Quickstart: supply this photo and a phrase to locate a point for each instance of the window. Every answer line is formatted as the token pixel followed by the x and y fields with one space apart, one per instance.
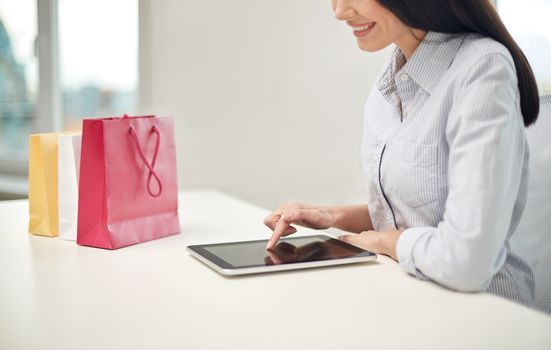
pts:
pixel 18 75
pixel 61 61
pixel 528 23
pixel 98 42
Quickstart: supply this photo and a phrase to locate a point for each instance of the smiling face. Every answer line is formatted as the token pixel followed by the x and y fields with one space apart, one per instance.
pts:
pixel 374 26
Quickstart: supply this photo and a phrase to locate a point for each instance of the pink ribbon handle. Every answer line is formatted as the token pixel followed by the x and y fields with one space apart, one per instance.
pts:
pixel 150 167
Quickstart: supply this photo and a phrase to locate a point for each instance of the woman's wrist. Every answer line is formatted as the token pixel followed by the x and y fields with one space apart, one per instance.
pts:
pixel 335 215
pixel 389 241
pixel 350 218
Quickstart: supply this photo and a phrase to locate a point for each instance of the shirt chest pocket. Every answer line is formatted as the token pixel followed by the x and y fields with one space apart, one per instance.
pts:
pixel 411 173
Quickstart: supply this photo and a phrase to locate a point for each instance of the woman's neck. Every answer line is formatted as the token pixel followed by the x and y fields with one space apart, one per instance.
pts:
pixel 409 42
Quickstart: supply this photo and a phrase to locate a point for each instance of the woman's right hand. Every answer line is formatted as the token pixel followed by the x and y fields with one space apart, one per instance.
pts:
pixel 280 221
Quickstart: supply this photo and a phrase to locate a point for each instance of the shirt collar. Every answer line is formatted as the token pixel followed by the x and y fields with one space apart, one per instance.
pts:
pixel 427 65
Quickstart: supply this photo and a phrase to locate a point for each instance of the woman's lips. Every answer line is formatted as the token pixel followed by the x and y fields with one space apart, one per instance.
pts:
pixel 362 31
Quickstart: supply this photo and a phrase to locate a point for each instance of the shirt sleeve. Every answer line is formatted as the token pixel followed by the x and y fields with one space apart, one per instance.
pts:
pixel 486 140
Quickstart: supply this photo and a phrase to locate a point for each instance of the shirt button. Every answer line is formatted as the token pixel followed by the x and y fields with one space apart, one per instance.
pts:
pixel 404 77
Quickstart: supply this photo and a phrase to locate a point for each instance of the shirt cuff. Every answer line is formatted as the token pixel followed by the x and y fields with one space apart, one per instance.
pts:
pixel 405 246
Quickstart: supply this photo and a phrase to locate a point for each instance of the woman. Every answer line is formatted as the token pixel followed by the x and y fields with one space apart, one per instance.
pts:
pixel 444 150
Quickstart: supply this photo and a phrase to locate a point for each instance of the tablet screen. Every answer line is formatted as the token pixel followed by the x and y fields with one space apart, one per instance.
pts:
pixel 287 251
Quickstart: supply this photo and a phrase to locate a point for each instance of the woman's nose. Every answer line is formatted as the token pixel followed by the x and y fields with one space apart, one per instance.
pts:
pixel 343 10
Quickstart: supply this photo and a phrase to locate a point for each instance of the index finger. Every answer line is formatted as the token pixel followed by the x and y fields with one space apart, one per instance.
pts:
pixel 279 229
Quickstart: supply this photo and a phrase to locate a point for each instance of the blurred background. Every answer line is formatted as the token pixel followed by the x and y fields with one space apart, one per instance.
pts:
pixel 267 96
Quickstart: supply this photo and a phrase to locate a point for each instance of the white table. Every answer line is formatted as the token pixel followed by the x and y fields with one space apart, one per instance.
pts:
pixel 57 295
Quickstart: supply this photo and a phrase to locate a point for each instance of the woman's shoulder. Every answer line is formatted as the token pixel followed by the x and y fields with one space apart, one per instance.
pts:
pixel 477 49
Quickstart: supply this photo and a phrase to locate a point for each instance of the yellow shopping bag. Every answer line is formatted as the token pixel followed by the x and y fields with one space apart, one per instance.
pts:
pixel 43 203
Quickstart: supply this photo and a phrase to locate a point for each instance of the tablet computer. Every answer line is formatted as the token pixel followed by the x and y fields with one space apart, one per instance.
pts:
pixel 248 257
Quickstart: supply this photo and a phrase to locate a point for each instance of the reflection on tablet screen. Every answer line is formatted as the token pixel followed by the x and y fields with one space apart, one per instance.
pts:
pixel 287 251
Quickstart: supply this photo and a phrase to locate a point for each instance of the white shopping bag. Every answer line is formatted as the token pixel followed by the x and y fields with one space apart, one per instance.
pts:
pixel 68 174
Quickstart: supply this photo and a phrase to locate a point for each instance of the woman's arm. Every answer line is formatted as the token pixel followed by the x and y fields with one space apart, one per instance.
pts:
pixel 487 149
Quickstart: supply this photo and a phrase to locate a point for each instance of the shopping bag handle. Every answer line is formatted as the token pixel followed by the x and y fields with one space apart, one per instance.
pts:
pixel 150 167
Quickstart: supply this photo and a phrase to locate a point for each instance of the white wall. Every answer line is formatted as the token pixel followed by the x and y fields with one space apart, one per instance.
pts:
pixel 267 96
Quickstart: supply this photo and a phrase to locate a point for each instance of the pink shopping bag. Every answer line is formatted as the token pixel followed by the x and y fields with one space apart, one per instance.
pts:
pixel 128 191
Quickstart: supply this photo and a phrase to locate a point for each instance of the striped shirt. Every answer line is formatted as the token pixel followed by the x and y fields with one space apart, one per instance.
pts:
pixel 445 156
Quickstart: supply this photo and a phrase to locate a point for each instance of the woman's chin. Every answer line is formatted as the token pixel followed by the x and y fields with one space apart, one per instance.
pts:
pixel 370 47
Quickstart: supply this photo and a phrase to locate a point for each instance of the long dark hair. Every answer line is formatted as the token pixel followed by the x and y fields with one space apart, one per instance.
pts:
pixel 471 16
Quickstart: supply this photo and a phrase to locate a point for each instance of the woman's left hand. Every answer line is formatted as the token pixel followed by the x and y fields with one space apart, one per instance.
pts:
pixel 375 241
